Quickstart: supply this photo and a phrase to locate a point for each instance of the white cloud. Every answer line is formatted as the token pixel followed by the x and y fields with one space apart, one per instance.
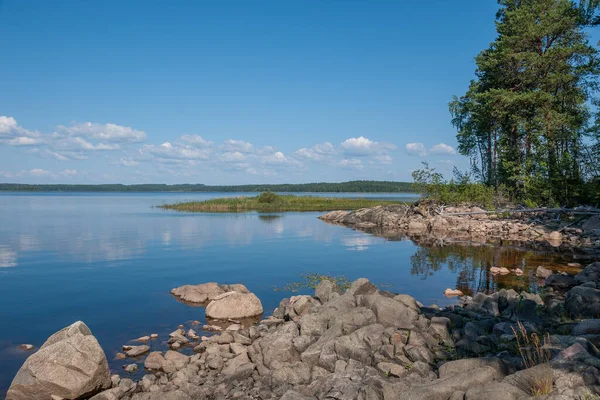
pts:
pixel 108 132
pixel 69 172
pixel 78 143
pixel 351 163
pixel 168 151
pixel 128 162
pixel 231 156
pixel 384 159
pixel 24 141
pixel 317 152
pixel 238 145
pixel 196 140
pixel 441 149
pixel 39 172
pixel 7 124
pixel 361 146
pixel 279 159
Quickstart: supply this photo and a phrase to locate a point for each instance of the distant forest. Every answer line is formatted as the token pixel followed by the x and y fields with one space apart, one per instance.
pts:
pixel 353 187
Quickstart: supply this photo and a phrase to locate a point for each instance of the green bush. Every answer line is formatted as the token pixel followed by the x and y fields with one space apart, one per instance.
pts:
pixel 431 185
pixel 269 198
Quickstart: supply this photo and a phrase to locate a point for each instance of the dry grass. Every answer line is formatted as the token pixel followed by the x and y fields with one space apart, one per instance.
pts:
pixel 541 386
pixel 533 351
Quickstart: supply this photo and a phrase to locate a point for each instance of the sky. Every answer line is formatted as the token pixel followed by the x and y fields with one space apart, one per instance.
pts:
pixel 233 92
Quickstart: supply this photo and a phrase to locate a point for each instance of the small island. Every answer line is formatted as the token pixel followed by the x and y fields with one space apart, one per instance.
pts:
pixel 272 202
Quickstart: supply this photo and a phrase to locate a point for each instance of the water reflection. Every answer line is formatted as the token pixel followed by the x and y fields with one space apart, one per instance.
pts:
pixel 8 257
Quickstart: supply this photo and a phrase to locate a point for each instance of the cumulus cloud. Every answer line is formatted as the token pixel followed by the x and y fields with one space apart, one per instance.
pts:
pixel 196 140
pixel 107 132
pixel 78 143
pixel 39 172
pixel 279 159
pixel 362 146
pixel 351 163
pixel 440 149
pixel 232 156
pixel 126 162
pixel 238 145
pixel 12 134
pixel 175 152
pixel 318 152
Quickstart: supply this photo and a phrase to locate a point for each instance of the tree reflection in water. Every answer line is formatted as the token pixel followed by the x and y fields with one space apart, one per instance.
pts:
pixel 471 262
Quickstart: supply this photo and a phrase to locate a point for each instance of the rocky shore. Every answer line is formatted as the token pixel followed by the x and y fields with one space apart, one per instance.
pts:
pixel 364 343
pixel 574 233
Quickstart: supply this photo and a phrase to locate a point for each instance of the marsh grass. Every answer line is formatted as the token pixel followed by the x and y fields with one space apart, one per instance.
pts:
pixel 271 202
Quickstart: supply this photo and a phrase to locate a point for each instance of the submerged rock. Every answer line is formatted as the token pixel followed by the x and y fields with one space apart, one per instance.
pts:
pixel 70 365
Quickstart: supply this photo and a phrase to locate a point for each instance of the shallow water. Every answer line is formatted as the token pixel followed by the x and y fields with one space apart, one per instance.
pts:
pixel 111 260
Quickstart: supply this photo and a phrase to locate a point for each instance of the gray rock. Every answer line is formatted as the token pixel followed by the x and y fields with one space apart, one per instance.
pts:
pixel 451 368
pixel 71 364
pixel 293 395
pixel 131 368
pixel 583 302
pixel 591 273
pixel 542 272
pixel 325 289
pixel 361 286
pixel 136 351
pixel 495 391
pixel 444 388
pixel 233 305
pixel 394 313
pixel 560 281
pixel 587 327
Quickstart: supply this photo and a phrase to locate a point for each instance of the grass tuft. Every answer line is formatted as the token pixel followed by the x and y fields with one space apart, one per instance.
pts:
pixel 533 351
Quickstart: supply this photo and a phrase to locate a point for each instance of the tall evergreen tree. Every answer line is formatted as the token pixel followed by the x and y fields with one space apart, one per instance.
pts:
pixel 525 117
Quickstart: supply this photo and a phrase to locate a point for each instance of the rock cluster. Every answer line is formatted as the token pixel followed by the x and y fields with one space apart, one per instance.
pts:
pixel 372 344
pixel 222 301
pixel 424 218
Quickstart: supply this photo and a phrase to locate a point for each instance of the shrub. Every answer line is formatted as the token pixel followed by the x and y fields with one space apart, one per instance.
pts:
pixel 269 198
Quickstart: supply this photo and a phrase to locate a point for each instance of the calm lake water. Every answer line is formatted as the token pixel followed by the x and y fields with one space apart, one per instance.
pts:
pixel 111 260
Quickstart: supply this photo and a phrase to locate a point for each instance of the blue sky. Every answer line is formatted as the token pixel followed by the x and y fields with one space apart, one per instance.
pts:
pixel 232 92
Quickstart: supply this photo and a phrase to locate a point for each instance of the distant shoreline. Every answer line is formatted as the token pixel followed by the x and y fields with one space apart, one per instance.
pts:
pixel 320 187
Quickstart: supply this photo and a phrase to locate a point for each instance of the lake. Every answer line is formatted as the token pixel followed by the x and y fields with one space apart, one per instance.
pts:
pixel 110 260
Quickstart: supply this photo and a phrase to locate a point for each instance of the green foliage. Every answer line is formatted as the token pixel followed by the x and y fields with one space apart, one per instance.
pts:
pixel 431 185
pixel 343 187
pixel 271 202
pixel 269 198
pixel 525 120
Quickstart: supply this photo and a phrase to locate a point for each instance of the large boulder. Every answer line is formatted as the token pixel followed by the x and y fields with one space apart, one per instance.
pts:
pixel 583 302
pixel 591 273
pixel 205 291
pixel 234 305
pixel 70 365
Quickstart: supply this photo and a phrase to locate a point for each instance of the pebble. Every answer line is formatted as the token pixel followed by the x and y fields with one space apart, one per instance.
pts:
pixel 212 328
pixel 27 347
pixel 234 328
pixel 519 271
pixel 120 356
pixel 154 336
